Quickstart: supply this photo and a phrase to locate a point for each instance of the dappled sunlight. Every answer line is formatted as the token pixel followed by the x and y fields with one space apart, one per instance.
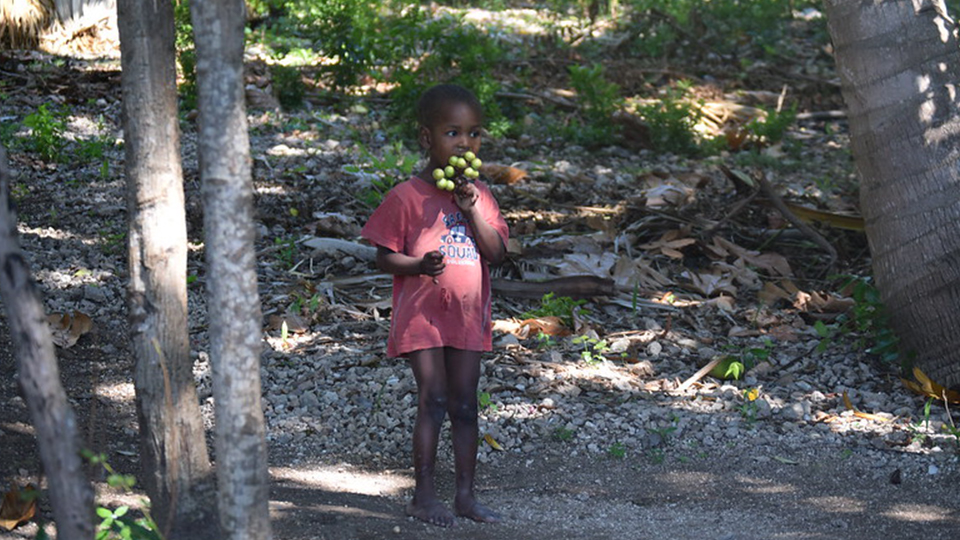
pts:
pixel 344 480
pixel 838 504
pixel 284 509
pixel 18 427
pixel 122 391
pixel 762 485
pixel 53 234
pixel 919 513
pixel 688 480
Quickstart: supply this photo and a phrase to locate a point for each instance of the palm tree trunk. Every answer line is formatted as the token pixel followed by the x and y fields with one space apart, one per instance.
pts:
pixel 899 65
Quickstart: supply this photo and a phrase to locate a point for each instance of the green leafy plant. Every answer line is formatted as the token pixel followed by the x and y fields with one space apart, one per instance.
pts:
pixel 384 171
pixel 286 251
pixel 117 523
pixel 288 86
pixel 47 126
pixel 563 434
pixel 617 450
pixel 186 55
pixel 672 121
pixel 741 360
pixel 593 349
pixel 552 305
pixel 749 409
pixel 772 128
pixel 95 149
pixel 868 322
pixel 545 341
pixel 485 402
pixel 921 429
pixel 599 99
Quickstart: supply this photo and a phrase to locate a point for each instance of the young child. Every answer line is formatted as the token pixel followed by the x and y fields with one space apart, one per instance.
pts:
pixel 437 244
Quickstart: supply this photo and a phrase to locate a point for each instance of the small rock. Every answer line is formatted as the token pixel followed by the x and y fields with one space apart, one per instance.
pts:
pixel 654 348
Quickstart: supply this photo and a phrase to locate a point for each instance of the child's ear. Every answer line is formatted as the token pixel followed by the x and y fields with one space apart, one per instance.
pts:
pixel 424 138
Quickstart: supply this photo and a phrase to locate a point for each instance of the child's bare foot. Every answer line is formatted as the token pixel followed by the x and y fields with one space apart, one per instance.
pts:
pixel 472 509
pixel 431 512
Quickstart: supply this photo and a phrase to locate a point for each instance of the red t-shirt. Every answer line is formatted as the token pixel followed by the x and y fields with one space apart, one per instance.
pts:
pixel 414 218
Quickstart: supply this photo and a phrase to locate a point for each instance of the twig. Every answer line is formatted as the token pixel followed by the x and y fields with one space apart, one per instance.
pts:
pixel 699 374
pixel 737 208
pixel 787 214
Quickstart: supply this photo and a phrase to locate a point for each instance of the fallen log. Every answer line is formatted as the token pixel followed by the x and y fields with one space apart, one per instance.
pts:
pixel 576 287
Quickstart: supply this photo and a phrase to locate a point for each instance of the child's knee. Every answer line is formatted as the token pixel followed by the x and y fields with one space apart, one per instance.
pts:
pixel 464 412
pixel 434 405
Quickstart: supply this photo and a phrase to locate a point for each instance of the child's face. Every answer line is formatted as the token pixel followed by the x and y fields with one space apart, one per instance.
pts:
pixel 456 130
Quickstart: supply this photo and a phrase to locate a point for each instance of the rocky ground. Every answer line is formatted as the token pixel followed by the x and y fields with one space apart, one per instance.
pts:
pixel 588 435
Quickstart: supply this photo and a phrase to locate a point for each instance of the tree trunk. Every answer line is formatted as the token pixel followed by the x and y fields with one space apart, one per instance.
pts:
pixel 899 65
pixel 233 302
pixel 174 459
pixel 57 434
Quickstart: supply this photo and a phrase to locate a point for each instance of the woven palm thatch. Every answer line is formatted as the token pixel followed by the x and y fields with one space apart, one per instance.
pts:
pixel 23 21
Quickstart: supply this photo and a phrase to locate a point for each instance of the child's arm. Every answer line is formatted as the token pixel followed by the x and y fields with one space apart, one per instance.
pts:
pixel 399 264
pixel 488 239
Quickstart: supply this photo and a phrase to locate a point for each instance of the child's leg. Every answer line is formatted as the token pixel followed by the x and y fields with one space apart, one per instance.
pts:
pixel 430 372
pixel 463 375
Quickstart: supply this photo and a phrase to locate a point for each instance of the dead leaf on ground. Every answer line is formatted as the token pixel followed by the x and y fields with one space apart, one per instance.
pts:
pixel 712 284
pixel 66 328
pixel 17 507
pixel 860 414
pixel 815 302
pixel 670 244
pixel 772 263
pixel 772 292
pixel 503 174
pixel 295 323
pixel 840 221
pixel 929 388
pixel 492 442
pixel 551 326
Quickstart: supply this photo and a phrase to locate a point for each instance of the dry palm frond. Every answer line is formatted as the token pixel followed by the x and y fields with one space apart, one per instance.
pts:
pixel 23 21
pixel 93 34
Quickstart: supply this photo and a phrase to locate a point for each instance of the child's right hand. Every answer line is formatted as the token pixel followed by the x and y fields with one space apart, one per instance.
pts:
pixel 432 263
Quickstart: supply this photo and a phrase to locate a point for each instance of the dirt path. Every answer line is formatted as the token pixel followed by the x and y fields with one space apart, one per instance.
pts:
pixel 822 497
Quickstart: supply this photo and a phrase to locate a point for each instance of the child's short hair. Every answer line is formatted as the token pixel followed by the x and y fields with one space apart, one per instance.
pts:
pixel 437 97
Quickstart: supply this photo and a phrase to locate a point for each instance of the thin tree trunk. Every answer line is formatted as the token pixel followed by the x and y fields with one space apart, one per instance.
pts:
pixel 57 433
pixel 176 467
pixel 899 65
pixel 234 304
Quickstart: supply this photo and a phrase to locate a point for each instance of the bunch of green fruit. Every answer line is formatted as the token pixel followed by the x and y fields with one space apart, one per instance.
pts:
pixel 461 169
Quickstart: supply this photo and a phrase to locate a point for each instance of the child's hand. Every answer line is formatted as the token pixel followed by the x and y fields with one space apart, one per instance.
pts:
pixel 432 264
pixel 466 195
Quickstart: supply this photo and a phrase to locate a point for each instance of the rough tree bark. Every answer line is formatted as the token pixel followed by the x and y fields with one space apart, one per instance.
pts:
pixel 899 65
pixel 53 419
pixel 233 302
pixel 176 470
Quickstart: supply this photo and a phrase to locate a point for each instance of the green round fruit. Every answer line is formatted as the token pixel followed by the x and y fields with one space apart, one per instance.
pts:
pixel 469 156
pixel 476 163
pixel 437 174
pixel 454 160
pixel 449 171
pixel 451 185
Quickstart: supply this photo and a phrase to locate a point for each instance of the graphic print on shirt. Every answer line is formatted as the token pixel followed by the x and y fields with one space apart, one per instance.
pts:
pixel 456 246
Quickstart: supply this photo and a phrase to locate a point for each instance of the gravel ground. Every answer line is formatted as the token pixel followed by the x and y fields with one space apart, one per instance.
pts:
pixel 609 448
